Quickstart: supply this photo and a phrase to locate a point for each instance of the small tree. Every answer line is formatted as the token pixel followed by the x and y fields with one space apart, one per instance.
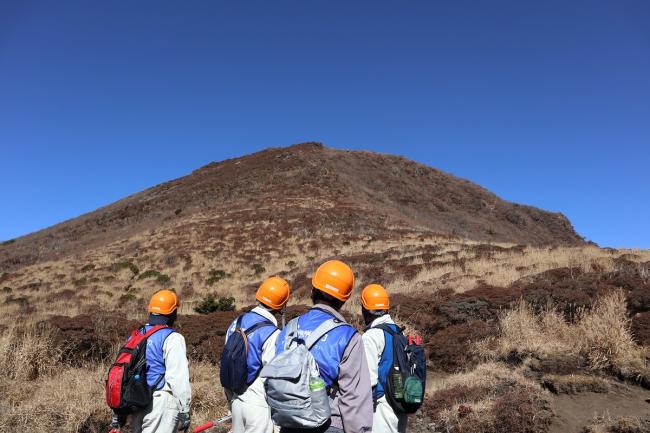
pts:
pixel 210 304
pixel 258 269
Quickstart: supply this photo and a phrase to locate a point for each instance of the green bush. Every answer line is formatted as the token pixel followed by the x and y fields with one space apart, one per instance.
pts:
pixel 88 267
pixel 7 290
pixel 210 304
pixel 23 301
pixel 80 282
pixel 258 269
pixel 148 274
pixel 127 297
pixel 216 275
pixel 10 241
pixel 151 273
pixel 291 264
pixel 116 267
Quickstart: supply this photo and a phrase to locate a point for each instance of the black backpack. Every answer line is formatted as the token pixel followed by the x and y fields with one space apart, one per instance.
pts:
pixel 234 359
pixel 406 380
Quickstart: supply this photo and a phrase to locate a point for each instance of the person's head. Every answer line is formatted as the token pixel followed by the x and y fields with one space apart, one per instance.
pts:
pixel 163 308
pixel 273 294
pixel 332 284
pixel 375 302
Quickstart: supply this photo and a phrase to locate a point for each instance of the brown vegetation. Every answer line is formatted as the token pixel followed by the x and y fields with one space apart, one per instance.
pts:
pixel 311 186
pixel 508 327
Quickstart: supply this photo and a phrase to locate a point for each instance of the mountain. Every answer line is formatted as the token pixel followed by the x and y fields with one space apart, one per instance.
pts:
pixel 304 191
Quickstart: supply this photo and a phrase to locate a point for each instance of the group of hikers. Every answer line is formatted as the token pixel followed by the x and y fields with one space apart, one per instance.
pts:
pixel 317 374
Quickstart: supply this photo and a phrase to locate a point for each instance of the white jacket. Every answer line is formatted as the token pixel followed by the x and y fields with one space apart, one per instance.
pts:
pixel 384 420
pixel 255 393
pixel 177 373
pixel 374 343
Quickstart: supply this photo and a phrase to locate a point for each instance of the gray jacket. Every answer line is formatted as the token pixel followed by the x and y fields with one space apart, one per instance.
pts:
pixel 352 403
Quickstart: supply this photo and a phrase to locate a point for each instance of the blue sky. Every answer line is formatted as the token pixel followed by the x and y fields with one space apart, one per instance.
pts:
pixel 544 103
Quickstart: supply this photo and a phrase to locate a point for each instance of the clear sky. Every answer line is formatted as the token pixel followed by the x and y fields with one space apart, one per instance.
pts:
pixel 543 102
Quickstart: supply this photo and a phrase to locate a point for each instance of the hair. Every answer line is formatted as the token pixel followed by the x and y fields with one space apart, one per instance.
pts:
pixel 320 297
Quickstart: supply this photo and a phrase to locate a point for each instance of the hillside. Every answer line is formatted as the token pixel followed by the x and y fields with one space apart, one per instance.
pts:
pixel 527 327
pixel 303 188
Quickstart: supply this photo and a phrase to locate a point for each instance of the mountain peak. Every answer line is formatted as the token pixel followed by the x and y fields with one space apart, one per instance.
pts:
pixel 309 190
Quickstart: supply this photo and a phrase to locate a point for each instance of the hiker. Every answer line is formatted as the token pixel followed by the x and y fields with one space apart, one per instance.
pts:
pixel 397 364
pixel 166 372
pixel 375 303
pixel 240 367
pixel 341 373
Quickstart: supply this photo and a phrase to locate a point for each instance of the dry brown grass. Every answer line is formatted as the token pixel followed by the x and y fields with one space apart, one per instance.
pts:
pixel 607 424
pixel 33 398
pixel 493 397
pixel 601 336
pixel 439 262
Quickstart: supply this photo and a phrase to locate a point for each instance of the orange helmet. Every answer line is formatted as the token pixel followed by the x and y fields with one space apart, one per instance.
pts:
pixel 375 297
pixel 163 302
pixel 274 293
pixel 334 278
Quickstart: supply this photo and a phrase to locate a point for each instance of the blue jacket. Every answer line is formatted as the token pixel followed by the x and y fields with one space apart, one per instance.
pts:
pixel 328 351
pixel 156 356
pixel 256 340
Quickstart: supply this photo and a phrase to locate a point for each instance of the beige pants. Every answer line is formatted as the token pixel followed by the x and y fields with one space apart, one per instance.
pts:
pixel 160 417
pixel 248 418
pixel 385 420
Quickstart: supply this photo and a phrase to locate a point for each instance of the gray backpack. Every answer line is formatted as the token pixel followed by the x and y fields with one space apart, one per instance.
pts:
pixel 295 391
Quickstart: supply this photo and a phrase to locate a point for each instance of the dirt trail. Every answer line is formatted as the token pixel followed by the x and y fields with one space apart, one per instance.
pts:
pixel 573 412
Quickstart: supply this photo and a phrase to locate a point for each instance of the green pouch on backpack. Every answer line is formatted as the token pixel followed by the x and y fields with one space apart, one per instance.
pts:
pixel 413 391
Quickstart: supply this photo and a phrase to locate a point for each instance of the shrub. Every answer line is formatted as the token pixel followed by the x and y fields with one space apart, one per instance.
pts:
pixel 163 279
pixel 7 289
pixel 127 297
pixel 80 282
pixel 148 274
pixel 291 264
pixel 88 267
pixel 116 267
pixel 210 304
pixel 22 301
pixel 151 273
pixel 216 275
pixel 8 242
pixel 258 269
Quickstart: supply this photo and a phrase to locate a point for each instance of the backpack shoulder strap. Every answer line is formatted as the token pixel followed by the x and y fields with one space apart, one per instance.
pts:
pixel 321 330
pixel 153 330
pixel 238 322
pixel 258 325
pixel 291 332
pixel 137 336
pixel 387 328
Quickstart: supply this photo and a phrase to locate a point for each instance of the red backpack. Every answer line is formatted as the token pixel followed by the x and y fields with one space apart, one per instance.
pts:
pixel 126 386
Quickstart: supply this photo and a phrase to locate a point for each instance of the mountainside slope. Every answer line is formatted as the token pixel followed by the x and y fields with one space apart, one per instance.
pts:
pixel 307 187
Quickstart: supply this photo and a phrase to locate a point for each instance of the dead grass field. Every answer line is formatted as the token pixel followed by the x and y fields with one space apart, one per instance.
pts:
pixel 515 353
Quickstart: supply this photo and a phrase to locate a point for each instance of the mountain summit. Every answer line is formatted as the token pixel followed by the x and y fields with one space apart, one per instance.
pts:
pixel 304 191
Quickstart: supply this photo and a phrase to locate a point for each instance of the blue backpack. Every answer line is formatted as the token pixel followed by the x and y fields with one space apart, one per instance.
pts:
pixel 234 359
pixel 404 386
